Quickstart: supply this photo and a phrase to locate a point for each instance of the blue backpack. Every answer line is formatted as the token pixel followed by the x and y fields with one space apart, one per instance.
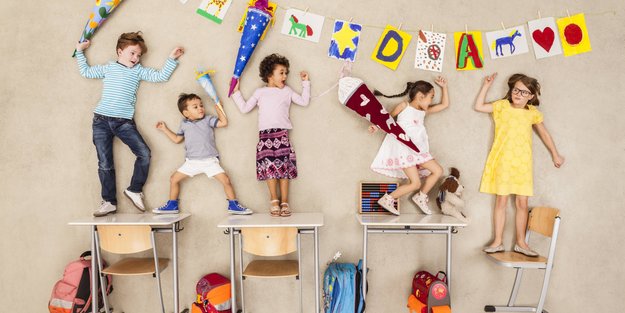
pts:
pixel 342 288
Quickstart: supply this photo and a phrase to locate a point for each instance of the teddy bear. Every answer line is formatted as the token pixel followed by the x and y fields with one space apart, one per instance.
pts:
pixel 449 196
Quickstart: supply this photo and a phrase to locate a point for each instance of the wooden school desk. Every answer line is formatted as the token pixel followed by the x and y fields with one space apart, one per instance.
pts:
pixel 306 223
pixel 162 223
pixel 407 223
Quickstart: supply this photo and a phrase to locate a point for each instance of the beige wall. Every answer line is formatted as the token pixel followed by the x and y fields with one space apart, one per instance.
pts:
pixel 49 169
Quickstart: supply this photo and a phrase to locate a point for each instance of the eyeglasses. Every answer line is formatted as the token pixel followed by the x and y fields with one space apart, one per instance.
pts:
pixel 524 93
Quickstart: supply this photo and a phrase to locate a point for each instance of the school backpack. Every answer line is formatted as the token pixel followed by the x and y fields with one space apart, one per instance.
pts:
pixel 72 294
pixel 342 288
pixel 429 293
pixel 213 295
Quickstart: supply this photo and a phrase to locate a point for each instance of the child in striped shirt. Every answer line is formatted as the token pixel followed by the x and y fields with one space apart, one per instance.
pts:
pixel 114 113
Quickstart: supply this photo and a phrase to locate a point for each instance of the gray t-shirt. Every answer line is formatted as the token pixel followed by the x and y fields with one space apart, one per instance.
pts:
pixel 199 137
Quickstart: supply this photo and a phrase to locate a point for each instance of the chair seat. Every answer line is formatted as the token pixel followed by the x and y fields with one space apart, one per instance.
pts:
pixel 517 260
pixel 272 268
pixel 135 266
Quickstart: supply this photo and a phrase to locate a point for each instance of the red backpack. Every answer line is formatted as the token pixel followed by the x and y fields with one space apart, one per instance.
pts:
pixel 429 293
pixel 72 294
pixel 213 295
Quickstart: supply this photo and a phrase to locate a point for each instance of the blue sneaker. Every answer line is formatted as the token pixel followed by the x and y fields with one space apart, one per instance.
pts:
pixel 234 207
pixel 171 207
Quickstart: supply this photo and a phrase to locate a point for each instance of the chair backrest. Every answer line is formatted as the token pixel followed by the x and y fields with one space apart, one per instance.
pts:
pixel 274 241
pixel 125 239
pixel 542 220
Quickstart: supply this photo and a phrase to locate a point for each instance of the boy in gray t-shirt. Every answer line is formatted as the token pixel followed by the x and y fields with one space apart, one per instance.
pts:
pixel 197 131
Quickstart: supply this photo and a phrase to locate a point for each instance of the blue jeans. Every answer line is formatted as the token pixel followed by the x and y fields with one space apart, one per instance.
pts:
pixel 104 129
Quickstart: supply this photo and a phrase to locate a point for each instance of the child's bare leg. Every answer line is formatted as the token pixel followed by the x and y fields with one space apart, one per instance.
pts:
pixel 436 171
pixel 521 220
pixel 413 184
pixel 284 190
pixel 174 184
pixel 272 184
pixel 225 181
pixel 499 219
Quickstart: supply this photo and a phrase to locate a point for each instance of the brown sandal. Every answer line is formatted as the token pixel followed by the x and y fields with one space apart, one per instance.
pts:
pixel 274 210
pixel 285 211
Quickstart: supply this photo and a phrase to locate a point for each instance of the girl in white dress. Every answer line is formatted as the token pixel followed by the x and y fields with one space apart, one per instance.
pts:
pixel 397 160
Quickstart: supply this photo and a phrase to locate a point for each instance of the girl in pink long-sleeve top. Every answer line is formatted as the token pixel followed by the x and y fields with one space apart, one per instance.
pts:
pixel 275 157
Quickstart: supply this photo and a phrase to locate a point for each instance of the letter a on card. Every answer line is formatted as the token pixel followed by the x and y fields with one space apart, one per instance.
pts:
pixel 468 50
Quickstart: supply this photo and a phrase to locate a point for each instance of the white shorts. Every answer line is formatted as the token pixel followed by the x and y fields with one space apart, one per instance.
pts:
pixel 209 166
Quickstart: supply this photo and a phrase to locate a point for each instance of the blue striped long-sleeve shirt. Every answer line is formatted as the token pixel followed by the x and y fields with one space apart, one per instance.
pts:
pixel 119 93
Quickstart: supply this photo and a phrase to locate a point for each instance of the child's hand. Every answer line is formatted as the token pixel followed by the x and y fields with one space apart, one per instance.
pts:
pixel 303 75
pixel 372 129
pixel 558 160
pixel 488 81
pixel 83 45
pixel 161 125
pixel 441 81
pixel 176 53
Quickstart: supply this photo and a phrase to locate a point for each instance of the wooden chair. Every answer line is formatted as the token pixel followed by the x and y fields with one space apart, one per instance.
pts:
pixel 128 239
pixel 543 221
pixel 270 242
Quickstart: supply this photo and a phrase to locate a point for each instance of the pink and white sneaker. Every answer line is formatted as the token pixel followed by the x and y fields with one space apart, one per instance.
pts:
pixel 388 203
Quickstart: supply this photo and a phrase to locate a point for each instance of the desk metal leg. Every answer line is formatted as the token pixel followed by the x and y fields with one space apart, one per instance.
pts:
pixel 449 229
pixel 317 298
pixel 232 278
pixel 94 273
pixel 365 234
pixel 240 250
pixel 174 244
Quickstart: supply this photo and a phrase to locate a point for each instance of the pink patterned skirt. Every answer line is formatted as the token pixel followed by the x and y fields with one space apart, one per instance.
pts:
pixel 275 158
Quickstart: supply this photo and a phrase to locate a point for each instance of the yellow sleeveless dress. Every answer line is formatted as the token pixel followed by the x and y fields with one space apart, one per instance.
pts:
pixel 508 169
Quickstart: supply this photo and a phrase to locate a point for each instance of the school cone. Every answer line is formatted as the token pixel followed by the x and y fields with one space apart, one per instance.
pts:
pixel 101 11
pixel 354 94
pixel 258 17
pixel 204 79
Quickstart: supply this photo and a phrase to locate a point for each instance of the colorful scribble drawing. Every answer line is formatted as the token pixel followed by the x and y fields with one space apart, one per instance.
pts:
pixel 500 42
pixel 299 29
pixel 219 3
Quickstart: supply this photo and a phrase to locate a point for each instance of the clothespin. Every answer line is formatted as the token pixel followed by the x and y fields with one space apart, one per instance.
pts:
pixel 351 19
pixel 306 11
pixel 569 14
pixel 466 29
pixel 502 26
pixel 400 24
pixel 432 27
pixel 539 17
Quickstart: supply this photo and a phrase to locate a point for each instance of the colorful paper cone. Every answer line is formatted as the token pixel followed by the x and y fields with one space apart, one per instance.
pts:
pixel 204 79
pixel 101 11
pixel 257 20
pixel 354 94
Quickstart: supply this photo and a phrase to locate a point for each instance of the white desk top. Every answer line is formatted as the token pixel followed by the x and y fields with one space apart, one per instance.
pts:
pixel 265 220
pixel 132 219
pixel 410 219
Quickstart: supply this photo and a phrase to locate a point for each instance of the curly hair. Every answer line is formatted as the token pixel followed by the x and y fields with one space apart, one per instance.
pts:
pixel 131 39
pixel 268 64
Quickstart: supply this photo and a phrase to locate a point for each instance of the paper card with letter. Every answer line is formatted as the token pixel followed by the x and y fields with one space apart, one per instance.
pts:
pixel 257 20
pixel 468 46
pixel 574 34
pixel 391 47
pixel 100 12
pixel 430 51
pixel 507 42
pixel 545 41
pixel 214 10
pixel 271 8
pixel 354 94
pixel 303 25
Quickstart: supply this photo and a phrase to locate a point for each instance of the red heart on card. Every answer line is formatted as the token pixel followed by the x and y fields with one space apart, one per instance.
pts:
pixel 544 38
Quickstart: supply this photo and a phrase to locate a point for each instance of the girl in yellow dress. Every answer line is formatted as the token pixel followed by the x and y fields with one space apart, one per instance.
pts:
pixel 508 169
